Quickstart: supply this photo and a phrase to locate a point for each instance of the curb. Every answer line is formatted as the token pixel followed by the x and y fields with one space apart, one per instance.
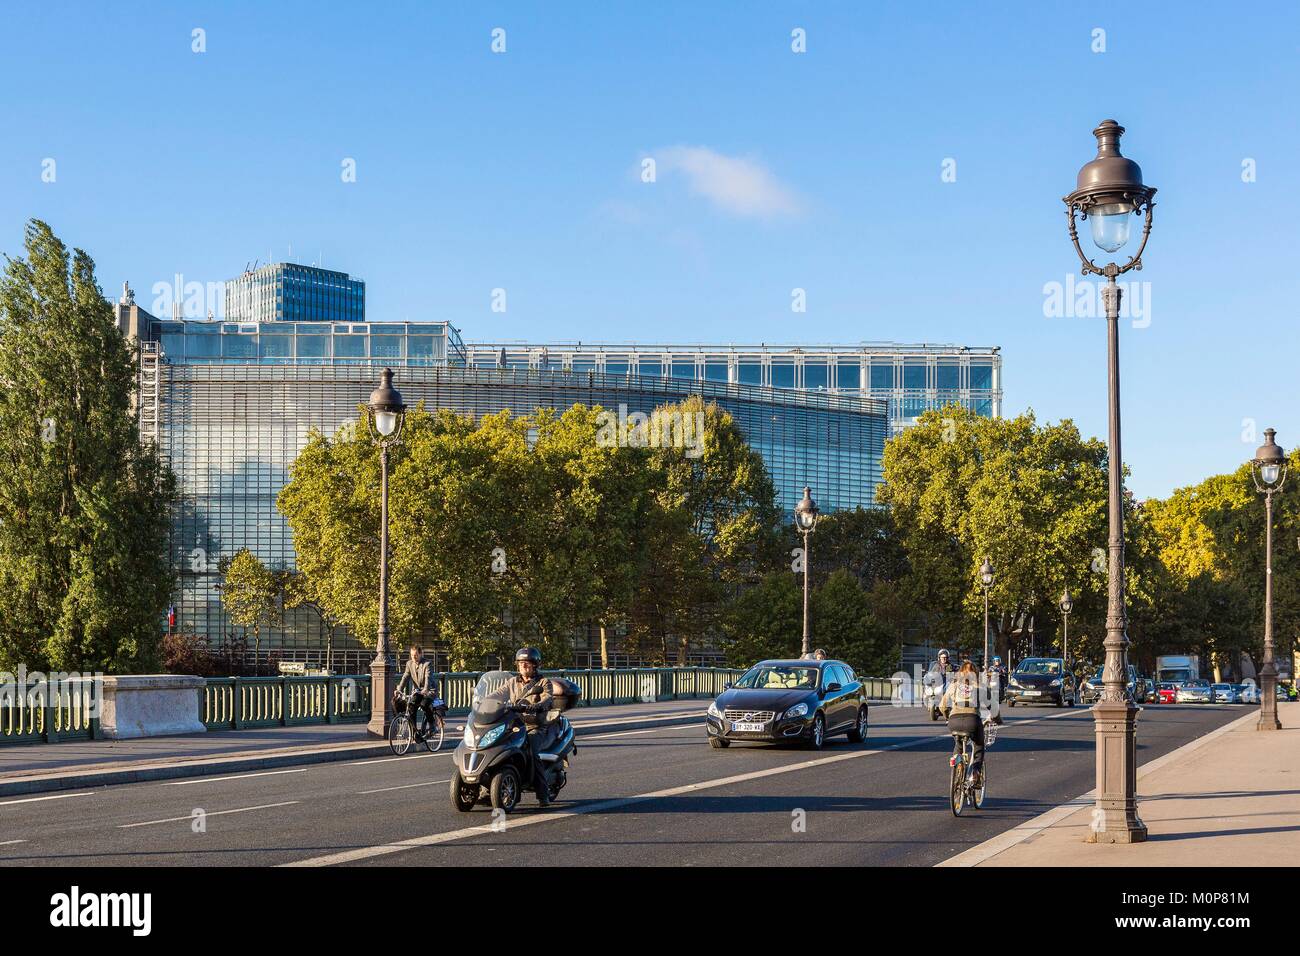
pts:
pixel 1005 841
pixel 81 780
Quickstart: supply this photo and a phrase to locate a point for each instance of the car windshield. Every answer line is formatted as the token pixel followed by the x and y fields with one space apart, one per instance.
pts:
pixel 779 677
pixel 1039 665
pixel 1222 686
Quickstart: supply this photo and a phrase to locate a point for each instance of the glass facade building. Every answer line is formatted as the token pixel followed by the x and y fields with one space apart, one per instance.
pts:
pixel 231 404
pixel 287 292
pixel 909 378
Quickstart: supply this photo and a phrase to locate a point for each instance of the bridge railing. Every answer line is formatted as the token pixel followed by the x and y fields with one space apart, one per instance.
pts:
pixel 239 703
pixel 49 711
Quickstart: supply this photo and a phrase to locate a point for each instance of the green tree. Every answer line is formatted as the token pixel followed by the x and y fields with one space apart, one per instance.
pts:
pixel 717 527
pixel 84 506
pixel 1032 497
pixel 250 593
pixel 765 620
pixel 842 622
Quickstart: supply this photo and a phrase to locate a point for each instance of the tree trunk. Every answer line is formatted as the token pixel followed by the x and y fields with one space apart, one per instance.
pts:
pixel 604 647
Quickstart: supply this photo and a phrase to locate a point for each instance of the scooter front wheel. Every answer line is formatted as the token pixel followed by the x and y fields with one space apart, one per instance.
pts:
pixel 504 791
pixel 463 795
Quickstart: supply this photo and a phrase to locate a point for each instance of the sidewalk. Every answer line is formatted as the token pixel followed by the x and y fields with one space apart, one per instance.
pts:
pixel 38 768
pixel 1231 798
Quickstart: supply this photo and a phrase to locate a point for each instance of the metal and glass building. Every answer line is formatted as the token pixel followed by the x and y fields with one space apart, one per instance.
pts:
pixel 231 403
pixel 288 292
pixel 910 379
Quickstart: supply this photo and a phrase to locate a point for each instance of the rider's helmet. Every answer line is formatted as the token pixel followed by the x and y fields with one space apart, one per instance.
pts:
pixel 943 653
pixel 529 654
pixel 997 659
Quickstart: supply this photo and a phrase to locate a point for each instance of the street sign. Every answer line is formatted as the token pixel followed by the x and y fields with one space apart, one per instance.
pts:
pixel 293 668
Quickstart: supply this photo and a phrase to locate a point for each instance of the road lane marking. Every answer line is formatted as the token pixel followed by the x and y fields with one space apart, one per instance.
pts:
pixel 374 760
pixel 56 796
pixel 407 786
pixel 450 836
pixel 209 813
pixel 11 842
pixel 985 851
pixel 241 776
pixel 629 733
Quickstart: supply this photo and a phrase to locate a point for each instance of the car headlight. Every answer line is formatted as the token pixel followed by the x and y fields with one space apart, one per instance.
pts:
pixel 1014 683
pixel 798 710
pixel 1056 683
pixel 713 710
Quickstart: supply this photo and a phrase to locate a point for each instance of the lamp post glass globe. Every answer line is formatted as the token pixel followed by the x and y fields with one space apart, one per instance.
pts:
pixel 386 407
pixel 805 512
pixel 1270 460
pixel 986 573
pixel 1110 228
pixel 1067 602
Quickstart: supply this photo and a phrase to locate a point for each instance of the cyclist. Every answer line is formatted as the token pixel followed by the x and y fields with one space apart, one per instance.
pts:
pixel 424 686
pixel 532 693
pixel 960 704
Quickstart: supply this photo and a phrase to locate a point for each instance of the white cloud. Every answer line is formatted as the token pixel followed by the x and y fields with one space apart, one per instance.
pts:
pixel 743 187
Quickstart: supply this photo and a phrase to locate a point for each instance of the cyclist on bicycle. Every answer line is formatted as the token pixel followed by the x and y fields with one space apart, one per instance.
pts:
pixel 419 674
pixel 960 704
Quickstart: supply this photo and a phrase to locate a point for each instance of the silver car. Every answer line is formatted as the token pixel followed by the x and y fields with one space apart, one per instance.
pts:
pixel 1226 694
pixel 1195 692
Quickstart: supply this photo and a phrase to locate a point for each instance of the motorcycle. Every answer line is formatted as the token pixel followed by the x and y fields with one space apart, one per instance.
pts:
pixel 932 692
pixel 494 760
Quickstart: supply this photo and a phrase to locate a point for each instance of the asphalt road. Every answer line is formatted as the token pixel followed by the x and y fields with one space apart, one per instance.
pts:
pixel 658 796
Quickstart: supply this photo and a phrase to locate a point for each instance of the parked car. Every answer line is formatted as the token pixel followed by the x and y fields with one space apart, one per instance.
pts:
pixel 1195 692
pixel 1247 693
pixel 1226 694
pixel 1041 680
pixel 1168 693
pixel 806 701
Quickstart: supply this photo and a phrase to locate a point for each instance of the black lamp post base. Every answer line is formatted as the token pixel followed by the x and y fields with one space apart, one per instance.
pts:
pixel 1115 817
pixel 383 681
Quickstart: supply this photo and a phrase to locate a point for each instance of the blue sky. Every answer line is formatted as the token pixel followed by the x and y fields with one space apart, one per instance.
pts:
pixel 776 170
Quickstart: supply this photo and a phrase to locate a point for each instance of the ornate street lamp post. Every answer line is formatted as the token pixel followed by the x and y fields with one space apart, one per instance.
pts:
pixel 384 418
pixel 986 579
pixel 805 516
pixel 1067 605
pixel 1269 471
pixel 1109 191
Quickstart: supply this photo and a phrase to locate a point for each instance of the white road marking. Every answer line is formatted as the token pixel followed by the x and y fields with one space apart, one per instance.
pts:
pixel 629 733
pixel 241 776
pixel 450 836
pixel 407 786
pixel 209 813
pixel 56 796
pixel 11 842
pixel 374 760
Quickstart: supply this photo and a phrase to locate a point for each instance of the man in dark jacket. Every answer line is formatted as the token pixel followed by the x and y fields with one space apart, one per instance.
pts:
pixel 532 694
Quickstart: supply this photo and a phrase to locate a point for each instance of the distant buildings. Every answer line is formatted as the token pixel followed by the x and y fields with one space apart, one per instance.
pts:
pixel 230 404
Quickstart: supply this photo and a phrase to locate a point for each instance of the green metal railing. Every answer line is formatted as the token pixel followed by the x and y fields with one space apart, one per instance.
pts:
pixel 238 703
pixel 49 711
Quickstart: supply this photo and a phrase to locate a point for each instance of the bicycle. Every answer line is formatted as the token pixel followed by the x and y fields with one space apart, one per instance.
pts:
pixel 963 791
pixel 401 735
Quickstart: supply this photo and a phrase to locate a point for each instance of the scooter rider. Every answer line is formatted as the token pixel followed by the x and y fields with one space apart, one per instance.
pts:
pixel 531 693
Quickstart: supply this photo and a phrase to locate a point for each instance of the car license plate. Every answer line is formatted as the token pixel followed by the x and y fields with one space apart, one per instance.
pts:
pixel 747 728
pixel 1033 693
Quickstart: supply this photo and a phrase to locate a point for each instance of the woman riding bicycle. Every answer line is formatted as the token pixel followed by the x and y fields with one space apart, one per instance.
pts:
pixel 960 704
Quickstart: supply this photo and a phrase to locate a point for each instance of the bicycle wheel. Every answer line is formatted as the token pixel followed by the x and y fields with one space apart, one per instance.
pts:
pixel 957 790
pixel 433 735
pixel 984 782
pixel 399 735
pixel 976 793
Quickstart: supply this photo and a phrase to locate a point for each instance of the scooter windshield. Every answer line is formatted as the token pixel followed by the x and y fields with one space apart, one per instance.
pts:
pixel 488 705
